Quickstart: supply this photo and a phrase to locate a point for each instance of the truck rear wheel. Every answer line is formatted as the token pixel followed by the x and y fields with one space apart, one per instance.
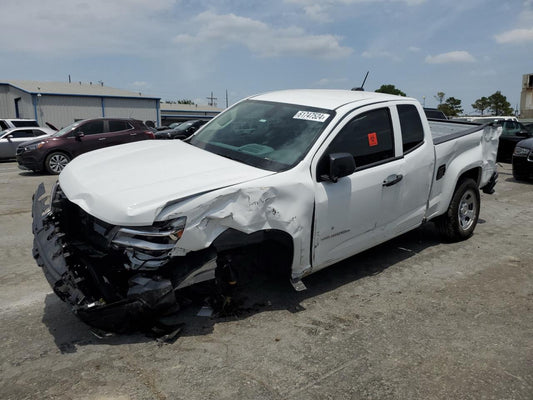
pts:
pixel 460 220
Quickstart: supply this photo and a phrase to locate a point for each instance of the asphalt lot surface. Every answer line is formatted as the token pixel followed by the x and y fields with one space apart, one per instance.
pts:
pixel 414 318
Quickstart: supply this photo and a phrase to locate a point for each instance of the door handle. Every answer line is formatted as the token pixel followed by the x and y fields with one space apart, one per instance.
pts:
pixel 102 138
pixel 133 134
pixel 392 179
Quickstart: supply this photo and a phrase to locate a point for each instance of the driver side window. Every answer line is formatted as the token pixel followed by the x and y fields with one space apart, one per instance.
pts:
pixel 368 138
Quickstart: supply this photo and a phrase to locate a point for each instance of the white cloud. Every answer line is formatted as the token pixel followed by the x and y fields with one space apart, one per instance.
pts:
pixel 140 84
pixel 260 38
pixel 451 57
pixel 319 12
pixel 81 26
pixel 523 32
pixel 380 54
pixel 330 81
pixel 413 49
pixel 515 36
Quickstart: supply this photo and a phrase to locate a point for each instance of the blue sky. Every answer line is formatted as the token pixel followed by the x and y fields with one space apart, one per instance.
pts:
pixel 187 49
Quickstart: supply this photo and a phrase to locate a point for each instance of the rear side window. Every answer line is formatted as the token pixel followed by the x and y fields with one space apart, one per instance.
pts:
pixel 412 130
pixel 510 128
pixel 92 127
pixel 26 133
pixel 368 137
pixel 38 132
pixel 3 125
pixel 20 124
pixel 115 126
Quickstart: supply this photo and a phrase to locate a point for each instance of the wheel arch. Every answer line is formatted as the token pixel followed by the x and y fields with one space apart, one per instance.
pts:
pixel 48 156
pixel 473 173
pixel 51 151
pixel 233 240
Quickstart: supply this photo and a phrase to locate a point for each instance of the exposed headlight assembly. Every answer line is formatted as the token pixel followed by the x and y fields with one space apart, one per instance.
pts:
pixel 520 152
pixel 149 247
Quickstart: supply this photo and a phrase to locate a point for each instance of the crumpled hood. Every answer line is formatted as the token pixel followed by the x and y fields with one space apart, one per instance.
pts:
pixel 130 184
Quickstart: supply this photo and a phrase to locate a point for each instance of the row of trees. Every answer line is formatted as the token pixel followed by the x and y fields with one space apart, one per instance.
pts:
pixel 495 104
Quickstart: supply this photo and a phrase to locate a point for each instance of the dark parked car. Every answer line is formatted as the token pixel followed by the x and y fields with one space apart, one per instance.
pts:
pixel 182 131
pixel 53 153
pixel 523 160
pixel 434 113
pixel 512 133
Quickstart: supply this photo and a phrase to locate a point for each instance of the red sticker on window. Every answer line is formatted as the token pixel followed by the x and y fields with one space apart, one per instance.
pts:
pixel 372 139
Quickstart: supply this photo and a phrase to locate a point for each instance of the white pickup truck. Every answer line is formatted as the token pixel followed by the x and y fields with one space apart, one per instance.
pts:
pixel 301 178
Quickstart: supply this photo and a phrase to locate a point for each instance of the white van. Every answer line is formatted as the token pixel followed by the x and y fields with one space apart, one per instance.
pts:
pixel 17 123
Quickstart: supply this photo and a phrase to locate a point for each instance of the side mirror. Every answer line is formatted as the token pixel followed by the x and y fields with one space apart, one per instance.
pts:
pixel 9 137
pixel 79 135
pixel 524 133
pixel 340 165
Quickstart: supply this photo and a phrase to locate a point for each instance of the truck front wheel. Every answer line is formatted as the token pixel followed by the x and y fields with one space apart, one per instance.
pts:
pixel 460 220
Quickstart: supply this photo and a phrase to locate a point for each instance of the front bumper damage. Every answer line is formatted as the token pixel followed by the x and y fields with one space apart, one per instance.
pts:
pixel 103 287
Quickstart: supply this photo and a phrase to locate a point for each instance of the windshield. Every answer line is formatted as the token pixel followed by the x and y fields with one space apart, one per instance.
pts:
pixel 273 136
pixel 66 129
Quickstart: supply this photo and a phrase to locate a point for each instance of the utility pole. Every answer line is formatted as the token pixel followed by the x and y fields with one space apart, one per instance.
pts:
pixel 211 101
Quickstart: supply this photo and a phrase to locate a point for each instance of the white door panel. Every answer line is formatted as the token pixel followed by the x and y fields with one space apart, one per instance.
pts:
pixel 348 212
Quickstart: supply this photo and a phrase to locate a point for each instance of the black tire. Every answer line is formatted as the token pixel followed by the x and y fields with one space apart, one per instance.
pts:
pixel 55 162
pixel 460 220
pixel 518 177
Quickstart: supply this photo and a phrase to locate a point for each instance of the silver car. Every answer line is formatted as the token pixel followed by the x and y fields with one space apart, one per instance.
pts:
pixel 11 138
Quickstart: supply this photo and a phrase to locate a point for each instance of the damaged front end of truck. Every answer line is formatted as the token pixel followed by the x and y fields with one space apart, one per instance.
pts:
pixel 116 279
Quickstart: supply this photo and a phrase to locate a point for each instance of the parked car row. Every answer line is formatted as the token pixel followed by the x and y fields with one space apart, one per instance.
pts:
pixel 43 149
pixel 46 149
pixel 52 153
pixel 180 130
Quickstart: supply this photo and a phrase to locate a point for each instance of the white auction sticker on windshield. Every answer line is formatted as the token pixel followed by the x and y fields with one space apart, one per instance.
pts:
pixel 311 116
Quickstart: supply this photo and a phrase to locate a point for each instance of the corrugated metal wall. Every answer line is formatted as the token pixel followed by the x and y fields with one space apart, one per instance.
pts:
pixel 64 110
pixel 8 95
pixel 142 109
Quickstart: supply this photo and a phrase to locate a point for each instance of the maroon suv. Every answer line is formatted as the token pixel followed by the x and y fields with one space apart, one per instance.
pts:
pixel 53 153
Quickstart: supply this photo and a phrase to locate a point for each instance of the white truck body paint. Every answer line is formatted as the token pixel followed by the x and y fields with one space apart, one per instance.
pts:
pixel 131 183
pixel 139 183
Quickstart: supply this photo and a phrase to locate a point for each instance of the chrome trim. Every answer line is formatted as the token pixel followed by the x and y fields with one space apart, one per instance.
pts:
pixel 142 244
pixel 153 233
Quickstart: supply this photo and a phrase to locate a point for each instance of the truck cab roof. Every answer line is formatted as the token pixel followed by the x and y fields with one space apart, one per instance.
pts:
pixel 325 98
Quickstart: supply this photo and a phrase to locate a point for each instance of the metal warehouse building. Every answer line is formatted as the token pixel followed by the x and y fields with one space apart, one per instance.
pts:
pixel 62 103
pixel 526 97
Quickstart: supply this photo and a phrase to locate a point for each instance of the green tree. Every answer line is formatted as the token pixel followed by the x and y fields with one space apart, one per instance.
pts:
pixel 481 104
pixel 185 101
pixel 451 107
pixel 390 89
pixel 440 97
pixel 499 104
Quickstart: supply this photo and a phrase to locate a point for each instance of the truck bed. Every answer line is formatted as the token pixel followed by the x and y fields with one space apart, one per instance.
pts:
pixel 460 146
pixel 443 131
